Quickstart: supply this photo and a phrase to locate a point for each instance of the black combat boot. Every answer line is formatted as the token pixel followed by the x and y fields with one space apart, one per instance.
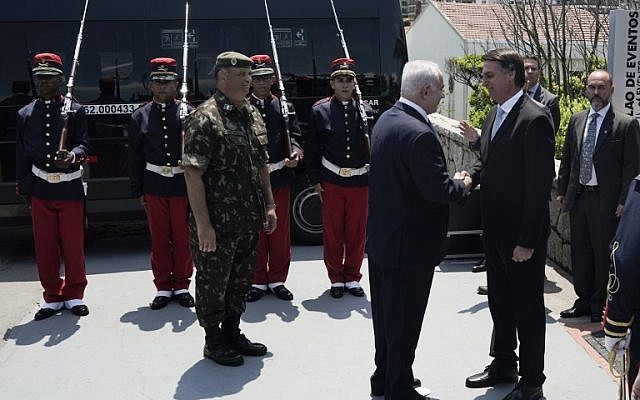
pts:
pixel 239 342
pixel 216 349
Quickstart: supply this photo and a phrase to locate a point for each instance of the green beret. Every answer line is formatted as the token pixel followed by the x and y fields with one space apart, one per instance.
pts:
pixel 233 59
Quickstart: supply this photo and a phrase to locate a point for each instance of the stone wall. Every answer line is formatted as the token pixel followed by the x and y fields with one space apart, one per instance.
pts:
pixel 460 157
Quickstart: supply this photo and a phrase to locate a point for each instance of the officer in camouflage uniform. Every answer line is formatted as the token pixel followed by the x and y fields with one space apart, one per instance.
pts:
pixel 225 159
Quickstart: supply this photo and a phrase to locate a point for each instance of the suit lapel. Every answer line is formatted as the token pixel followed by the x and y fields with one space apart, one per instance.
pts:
pixel 580 124
pixel 605 128
pixel 509 120
pixel 485 139
pixel 537 96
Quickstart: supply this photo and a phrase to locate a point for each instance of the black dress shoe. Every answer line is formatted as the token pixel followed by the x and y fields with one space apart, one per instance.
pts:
pixel 185 300
pixel 159 302
pixel 573 312
pixel 356 291
pixel 244 346
pixel 595 317
pixel 282 293
pixel 491 377
pixel 480 267
pixel 524 392
pixel 80 310
pixel 44 313
pixel 483 290
pixel 377 391
pixel 336 291
pixel 254 294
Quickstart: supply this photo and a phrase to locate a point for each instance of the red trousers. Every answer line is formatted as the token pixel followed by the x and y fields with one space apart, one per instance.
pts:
pixel 171 261
pixel 58 226
pixel 274 250
pixel 344 224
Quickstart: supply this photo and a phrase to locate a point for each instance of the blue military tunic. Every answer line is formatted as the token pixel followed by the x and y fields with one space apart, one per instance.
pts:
pixel 270 111
pixel 335 133
pixel 155 137
pixel 39 127
pixel 624 285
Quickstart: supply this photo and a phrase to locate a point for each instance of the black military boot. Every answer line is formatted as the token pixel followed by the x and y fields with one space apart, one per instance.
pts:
pixel 239 342
pixel 216 349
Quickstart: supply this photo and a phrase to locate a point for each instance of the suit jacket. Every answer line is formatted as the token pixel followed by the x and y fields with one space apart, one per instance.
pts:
pixel 409 191
pixel 551 101
pixel 615 158
pixel 515 171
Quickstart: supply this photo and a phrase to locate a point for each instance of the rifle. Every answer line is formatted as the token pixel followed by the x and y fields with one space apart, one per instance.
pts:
pixel 364 123
pixel 184 110
pixel 34 93
pixel 284 105
pixel 67 111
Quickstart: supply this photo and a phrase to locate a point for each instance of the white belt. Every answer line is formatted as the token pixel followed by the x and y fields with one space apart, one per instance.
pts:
pixel 164 170
pixel 276 166
pixel 55 177
pixel 343 172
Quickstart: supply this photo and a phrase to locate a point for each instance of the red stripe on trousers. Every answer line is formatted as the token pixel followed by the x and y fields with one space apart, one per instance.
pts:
pixel 274 250
pixel 171 260
pixel 58 227
pixel 344 224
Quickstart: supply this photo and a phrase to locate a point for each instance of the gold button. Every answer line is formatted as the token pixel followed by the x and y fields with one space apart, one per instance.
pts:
pixel 48 155
pixel 46 144
pixel 348 139
pixel 168 154
pixel 348 147
pixel 48 115
pixel 166 145
pixel 346 115
pixel 166 136
pixel 164 127
pixel 348 156
pixel 47 165
pixel 168 164
pixel 164 119
pixel 47 125
pixel 346 123
pixel 47 134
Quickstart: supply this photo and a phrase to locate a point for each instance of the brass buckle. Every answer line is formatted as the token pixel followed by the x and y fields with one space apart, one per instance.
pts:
pixel 345 172
pixel 168 171
pixel 53 178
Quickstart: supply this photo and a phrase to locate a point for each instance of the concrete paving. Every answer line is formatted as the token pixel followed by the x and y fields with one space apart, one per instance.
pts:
pixel 319 347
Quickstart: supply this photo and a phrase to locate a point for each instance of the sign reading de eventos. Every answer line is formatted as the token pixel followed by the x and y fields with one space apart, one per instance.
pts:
pixel 624 61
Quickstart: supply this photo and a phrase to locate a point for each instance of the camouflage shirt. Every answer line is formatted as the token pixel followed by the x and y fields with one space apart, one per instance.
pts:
pixel 230 145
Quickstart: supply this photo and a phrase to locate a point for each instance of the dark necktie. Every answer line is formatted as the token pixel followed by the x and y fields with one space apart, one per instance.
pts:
pixel 589 144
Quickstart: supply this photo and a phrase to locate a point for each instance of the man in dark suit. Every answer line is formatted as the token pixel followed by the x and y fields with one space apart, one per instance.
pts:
pixel 599 160
pixel 515 169
pixel 409 192
pixel 537 92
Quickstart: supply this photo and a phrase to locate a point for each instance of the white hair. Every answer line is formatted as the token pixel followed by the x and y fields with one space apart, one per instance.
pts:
pixel 419 73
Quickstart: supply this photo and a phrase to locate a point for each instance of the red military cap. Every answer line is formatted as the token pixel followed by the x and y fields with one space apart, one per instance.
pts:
pixel 163 69
pixel 343 66
pixel 261 65
pixel 47 64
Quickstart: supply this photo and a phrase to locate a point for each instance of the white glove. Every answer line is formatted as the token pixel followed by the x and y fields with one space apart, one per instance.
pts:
pixel 618 345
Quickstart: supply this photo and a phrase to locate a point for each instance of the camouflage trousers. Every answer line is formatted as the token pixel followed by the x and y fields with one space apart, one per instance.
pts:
pixel 224 277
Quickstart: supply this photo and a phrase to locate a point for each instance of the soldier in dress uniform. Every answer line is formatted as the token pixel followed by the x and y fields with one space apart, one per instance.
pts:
pixel 622 314
pixel 225 159
pixel 337 165
pixel 157 179
pixel 274 250
pixel 50 182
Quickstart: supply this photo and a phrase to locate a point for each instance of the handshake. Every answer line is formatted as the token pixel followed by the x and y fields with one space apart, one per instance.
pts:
pixel 465 177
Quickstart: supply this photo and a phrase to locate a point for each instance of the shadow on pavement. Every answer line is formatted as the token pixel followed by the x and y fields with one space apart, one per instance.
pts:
pixel 207 380
pixel 495 393
pixel 306 253
pixel 56 329
pixel 148 320
pixel 257 311
pixel 339 308
pixel 475 308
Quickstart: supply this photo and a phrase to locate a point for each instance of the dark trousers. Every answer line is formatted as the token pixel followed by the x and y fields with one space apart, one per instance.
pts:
pixel 223 277
pixel 517 308
pixel 591 233
pixel 274 250
pixel 398 303
pixel 171 260
pixel 58 227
